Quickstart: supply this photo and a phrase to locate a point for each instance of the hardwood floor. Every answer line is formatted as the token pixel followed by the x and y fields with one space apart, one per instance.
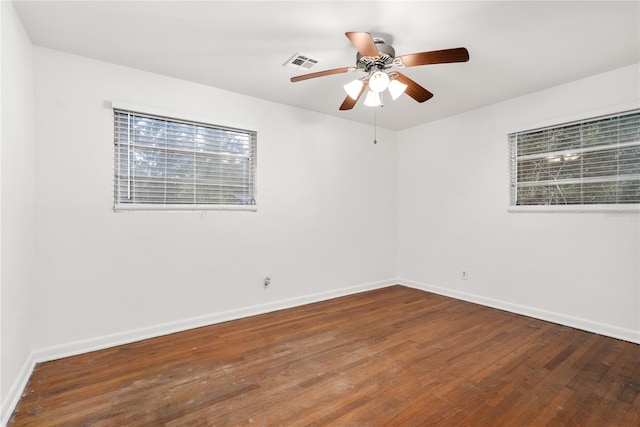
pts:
pixel 394 356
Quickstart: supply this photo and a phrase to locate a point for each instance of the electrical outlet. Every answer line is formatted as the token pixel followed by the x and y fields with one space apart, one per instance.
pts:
pixel 464 275
pixel 267 281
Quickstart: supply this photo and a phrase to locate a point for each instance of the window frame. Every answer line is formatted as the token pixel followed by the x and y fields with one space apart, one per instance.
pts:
pixel 179 117
pixel 616 209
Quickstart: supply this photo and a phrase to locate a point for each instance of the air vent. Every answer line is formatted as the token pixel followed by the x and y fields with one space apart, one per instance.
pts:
pixel 300 60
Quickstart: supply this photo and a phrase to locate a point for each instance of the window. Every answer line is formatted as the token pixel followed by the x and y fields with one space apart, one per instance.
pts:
pixel 590 163
pixel 165 163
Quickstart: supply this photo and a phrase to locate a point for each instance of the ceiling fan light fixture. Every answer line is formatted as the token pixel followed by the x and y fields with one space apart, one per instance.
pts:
pixel 396 89
pixel 373 99
pixel 379 81
pixel 353 88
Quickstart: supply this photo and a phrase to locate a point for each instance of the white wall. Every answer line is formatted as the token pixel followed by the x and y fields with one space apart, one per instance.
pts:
pixel 17 207
pixel 325 220
pixel 453 180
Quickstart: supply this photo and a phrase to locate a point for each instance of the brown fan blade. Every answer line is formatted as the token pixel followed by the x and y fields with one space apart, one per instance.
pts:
pixel 413 89
pixel 458 54
pixel 349 102
pixel 322 73
pixel 364 43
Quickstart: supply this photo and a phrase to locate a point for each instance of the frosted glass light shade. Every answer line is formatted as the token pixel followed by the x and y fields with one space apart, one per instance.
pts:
pixel 396 89
pixel 353 88
pixel 379 81
pixel 372 99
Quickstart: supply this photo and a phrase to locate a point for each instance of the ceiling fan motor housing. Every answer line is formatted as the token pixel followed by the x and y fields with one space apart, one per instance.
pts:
pixel 385 60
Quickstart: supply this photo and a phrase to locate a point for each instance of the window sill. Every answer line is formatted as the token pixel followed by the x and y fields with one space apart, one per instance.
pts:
pixel 183 208
pixel 631 209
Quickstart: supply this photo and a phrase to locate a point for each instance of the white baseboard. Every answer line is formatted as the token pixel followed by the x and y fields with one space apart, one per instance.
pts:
pixel 8 405
pixel 549 316
pixel 126 337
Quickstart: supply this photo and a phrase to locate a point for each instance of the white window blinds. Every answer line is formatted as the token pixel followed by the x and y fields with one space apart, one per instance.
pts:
pixel 165 163
pixel 591 162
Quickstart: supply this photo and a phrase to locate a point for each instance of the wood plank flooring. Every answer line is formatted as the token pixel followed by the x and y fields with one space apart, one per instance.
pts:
pixel 394 356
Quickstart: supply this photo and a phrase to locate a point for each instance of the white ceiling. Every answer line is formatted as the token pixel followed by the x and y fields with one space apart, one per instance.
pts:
pixel 515 47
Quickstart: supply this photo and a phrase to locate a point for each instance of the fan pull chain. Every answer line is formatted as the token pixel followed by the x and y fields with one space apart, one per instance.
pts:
pixel 375 128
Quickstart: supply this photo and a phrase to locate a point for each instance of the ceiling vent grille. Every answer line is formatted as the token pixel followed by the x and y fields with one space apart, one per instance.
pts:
pixel 301 60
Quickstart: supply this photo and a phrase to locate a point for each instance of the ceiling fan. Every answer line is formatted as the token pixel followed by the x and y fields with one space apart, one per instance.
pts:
pixel 378 60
